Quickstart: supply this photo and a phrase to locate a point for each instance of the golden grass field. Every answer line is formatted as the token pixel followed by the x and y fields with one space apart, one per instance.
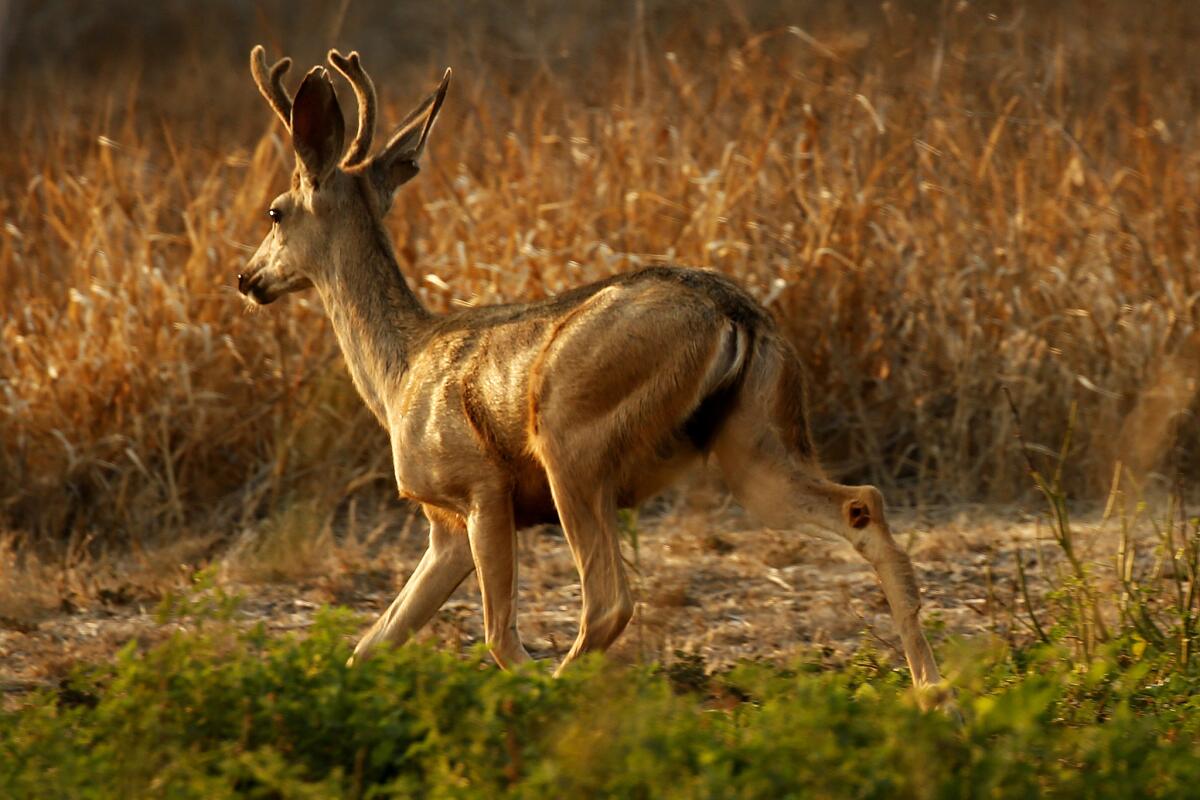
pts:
pixel 938 200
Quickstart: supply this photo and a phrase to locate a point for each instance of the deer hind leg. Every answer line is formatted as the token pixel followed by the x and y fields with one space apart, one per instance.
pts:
pixel 589 524
pixel 446 563
pixel 494 548
pixel 783 486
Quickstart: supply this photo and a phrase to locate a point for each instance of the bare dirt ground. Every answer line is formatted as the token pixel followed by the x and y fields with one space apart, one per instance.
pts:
pixel 709 581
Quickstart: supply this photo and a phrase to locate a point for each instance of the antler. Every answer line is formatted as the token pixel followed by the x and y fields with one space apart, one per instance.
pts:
pixel 270 83
pixel 364 91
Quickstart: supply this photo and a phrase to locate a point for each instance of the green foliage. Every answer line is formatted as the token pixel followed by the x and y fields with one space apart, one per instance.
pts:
pixel 221 712
pixel 1089 709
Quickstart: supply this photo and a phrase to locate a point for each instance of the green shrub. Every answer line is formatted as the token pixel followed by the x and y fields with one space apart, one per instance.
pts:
pixel 218 712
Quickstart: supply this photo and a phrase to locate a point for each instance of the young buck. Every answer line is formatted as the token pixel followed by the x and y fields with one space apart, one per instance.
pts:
pixel 561 410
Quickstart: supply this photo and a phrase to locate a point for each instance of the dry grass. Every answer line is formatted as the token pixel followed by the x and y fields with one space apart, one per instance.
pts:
pixel 937 201
pixel 758 595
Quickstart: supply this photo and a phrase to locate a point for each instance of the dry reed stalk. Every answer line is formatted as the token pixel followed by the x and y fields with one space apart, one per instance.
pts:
pixel 1013 207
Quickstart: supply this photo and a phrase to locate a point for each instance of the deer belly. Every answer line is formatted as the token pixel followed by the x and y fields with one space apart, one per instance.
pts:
pixel 532 502
pixel 656 475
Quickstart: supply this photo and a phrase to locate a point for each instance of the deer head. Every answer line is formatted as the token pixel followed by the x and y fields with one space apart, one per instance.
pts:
pixel 334 201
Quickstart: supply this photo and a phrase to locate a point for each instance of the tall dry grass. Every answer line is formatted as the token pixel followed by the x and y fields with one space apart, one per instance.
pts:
pixel 937 200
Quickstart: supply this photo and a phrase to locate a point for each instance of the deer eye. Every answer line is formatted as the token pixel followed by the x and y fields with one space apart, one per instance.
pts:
pixel 275 214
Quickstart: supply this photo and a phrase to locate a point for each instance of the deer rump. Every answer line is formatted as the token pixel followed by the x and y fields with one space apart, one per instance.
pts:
pixel 628 383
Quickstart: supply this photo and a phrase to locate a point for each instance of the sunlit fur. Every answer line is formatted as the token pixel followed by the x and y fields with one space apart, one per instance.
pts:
pixel 562 410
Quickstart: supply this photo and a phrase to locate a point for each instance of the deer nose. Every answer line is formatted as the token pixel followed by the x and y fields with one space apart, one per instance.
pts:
pixel 242 283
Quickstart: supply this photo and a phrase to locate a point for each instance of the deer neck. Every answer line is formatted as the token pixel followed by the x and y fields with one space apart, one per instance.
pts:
pixel 375 316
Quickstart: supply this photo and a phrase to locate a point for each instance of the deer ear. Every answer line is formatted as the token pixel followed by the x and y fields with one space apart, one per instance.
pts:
pixel 318 130
pixel 397 163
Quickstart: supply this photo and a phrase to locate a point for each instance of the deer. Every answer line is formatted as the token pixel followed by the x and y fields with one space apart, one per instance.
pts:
pixel 562 410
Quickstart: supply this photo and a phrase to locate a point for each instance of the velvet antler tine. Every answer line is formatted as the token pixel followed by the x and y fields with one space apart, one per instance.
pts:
pixel 270 83
pixel 364 91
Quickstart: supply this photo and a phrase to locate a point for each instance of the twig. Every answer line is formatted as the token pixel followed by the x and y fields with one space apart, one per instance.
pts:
pixel 1024 583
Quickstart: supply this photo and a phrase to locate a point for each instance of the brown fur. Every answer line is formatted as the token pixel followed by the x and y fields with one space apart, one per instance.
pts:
pixel 564 409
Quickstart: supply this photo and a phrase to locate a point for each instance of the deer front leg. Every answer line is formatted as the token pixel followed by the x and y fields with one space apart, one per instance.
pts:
pixel 589 525
pixel 447 561
pixel 494 548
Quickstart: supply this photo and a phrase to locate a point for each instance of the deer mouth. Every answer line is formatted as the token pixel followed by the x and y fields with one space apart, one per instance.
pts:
pixel 251 286
pixel 260 296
